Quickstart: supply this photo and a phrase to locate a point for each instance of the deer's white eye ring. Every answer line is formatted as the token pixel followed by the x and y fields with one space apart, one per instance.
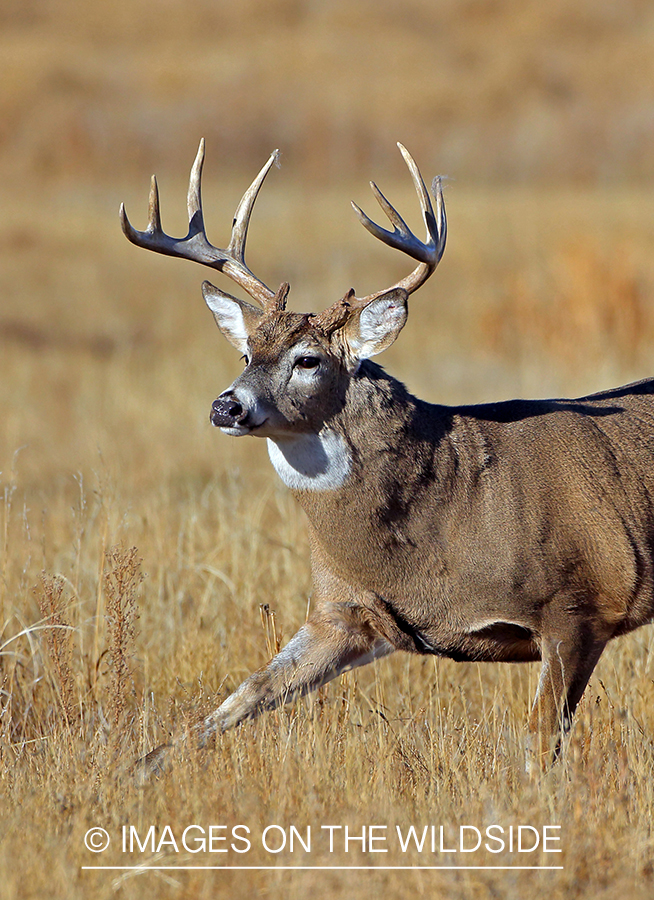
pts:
pixel 308 362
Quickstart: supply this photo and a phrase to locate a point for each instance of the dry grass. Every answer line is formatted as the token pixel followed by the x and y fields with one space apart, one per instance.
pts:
pixel 109 365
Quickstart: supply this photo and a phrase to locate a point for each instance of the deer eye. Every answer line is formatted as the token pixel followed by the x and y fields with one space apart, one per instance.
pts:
pixel 308 362
pixel 245 360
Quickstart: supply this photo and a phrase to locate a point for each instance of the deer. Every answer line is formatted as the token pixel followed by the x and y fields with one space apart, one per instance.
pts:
pixel 514 531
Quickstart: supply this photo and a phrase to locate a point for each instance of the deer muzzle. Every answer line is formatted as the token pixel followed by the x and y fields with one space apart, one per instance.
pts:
pixel 227 412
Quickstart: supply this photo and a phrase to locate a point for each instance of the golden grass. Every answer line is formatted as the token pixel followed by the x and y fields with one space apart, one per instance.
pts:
pixel 109 364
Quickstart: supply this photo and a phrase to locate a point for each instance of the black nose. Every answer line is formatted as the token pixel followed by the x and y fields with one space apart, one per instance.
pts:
pixel 226 411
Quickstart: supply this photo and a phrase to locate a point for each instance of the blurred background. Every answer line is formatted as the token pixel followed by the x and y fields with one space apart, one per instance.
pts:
pixel 488 90
pixel 541 115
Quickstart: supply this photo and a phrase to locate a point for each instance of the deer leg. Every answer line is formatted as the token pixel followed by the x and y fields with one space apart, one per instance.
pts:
pixel 334 639
pixel 567 664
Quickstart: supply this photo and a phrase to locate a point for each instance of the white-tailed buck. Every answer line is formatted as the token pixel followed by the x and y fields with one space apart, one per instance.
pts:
pixel 506 532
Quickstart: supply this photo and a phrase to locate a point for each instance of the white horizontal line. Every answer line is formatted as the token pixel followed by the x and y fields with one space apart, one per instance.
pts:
pixel 144 868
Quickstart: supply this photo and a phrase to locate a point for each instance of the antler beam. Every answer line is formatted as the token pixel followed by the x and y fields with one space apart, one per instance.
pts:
pixel 429 252
pixel 195 246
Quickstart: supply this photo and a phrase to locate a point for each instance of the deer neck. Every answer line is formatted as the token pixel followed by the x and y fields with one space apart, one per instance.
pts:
pixel 312 462
pixel 358 447
pixel 367 481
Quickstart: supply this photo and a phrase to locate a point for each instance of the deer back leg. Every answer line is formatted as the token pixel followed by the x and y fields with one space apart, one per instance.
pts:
pixel 568 661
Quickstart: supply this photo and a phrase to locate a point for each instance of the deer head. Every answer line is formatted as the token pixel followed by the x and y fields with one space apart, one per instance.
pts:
pixel 297 366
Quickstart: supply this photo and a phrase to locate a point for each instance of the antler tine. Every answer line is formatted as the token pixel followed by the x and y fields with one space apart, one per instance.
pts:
pixel 402 238
pixel 195 246
pixel 244 209
pixel 194 196
pixel 428 252
pixel 441 218
pixel 154 216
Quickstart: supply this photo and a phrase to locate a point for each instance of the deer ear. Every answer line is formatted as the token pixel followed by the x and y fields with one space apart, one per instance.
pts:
pixel 377 325
pixel 235 318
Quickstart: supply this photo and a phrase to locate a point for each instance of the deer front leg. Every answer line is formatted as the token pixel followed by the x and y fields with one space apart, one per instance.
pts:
pixel 567 664
pixel 335 638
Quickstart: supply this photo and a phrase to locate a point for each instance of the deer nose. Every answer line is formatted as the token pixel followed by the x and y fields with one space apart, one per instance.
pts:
pixel 226 411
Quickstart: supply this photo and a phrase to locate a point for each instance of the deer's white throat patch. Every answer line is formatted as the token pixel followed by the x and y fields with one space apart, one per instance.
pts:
pixel 311 462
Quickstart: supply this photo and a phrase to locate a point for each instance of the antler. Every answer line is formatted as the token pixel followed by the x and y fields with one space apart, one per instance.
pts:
pixel 428 253
pixel 195 245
